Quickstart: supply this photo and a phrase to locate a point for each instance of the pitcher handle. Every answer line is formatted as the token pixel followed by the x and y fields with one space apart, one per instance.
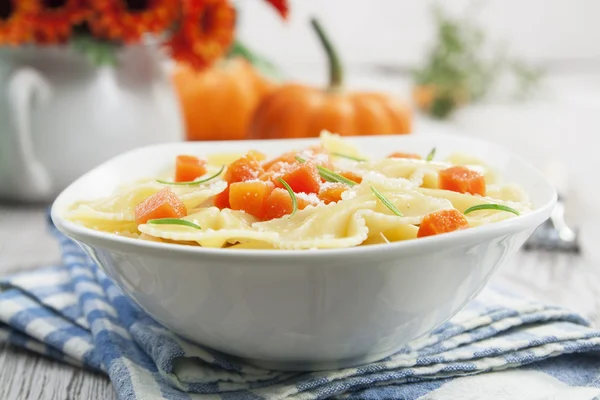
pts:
pixel 27 88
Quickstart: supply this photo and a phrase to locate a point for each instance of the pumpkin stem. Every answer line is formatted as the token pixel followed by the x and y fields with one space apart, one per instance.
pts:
pixel 336 72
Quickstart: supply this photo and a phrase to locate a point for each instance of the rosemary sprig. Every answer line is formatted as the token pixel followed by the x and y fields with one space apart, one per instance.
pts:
pixel 192 182
pixel 430 155
pixel 329 175
pixel 174 221
pixel 358 159
pixel 292 195
pixel 499 207
pixel 386 202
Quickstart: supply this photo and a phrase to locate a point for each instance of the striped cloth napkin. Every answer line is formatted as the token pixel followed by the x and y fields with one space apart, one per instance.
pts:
pixel 499 347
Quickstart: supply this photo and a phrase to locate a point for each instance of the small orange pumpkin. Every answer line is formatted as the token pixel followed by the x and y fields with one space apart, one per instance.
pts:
pixel 219 102
pixel 294 110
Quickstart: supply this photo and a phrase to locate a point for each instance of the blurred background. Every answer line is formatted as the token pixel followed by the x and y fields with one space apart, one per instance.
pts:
pixel 398 34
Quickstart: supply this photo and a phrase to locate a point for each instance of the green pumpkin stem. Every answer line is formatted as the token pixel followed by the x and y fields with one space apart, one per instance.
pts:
pixel 336 71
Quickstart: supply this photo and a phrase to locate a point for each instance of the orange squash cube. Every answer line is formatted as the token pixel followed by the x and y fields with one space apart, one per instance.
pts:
pixel 352 176
pixel 289 157
pixel 250 196
pixel 279 203
pixel 462 179
pixel 164 204
pixel 303 178
pixel 222 199
pixel 188 168
pixel 442 222
pixel 332 193
pixel 244 169
pixel 281 167
pixel 405 155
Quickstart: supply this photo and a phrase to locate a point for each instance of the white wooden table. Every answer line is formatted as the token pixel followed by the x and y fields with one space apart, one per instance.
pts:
pixel 557 133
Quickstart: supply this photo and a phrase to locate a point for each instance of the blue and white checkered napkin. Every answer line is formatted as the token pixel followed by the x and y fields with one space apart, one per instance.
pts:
pixel 74 313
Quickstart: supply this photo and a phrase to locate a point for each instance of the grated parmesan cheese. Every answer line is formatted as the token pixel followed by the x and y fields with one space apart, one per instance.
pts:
pixel 311 198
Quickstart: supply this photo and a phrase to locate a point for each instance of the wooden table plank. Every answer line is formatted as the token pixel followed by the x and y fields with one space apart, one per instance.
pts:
pixel 25 376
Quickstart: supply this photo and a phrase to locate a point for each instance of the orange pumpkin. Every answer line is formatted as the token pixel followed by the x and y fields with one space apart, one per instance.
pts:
pixel 295 110
pixel 218 102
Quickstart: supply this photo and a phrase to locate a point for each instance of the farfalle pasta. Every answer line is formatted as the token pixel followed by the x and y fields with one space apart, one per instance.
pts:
pixel 325 196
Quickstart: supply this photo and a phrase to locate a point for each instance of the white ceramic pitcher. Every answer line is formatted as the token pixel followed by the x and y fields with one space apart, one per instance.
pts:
pixel 60 116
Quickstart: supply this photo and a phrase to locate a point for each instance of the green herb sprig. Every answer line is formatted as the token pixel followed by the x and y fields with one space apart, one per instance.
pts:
pixel 174 221
pixel 357 159
pixel 98 52
pixel 430 155
pixel 192 182
pixel 292 195
pixel 498 207
pixel 329 175
pixel 463 66
pixel 386 202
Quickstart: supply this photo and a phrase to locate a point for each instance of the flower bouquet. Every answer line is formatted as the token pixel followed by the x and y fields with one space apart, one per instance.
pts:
pixel 197 32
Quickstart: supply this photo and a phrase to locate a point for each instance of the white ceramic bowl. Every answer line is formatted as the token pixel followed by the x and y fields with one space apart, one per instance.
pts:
pixel 306 310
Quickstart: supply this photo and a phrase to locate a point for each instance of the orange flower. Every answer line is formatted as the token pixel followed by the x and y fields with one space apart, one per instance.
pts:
pixel 55 19
pixel 205 33
pixel 129 20
pixel 15 21
pixel 281 6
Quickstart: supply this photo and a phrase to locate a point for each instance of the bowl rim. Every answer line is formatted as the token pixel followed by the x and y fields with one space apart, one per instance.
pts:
pixel 404 248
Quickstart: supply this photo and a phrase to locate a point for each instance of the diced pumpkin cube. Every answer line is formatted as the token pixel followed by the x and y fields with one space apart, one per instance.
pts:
pixel 352 176
pixel 281 167
pixel 462 179
pixel 332 192
pixel 244 169
pixel 222 199
pixel 289 157
pixel 279 203
pixel 442 222
pixel 250 196
pixel 303 178
pixel 163 204
pixel 405 155
pixel 269 176
pixel 188 168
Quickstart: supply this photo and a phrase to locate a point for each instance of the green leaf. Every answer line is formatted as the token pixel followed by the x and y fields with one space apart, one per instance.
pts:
pixel 98 52
pixel 430 155
pixel 442 106
pixel 329 175
pixel 386 202
pixel 334 177
pixel 192 182
pixel 292 195
pixel 174 221
pixel 358 159
pixel 498 207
